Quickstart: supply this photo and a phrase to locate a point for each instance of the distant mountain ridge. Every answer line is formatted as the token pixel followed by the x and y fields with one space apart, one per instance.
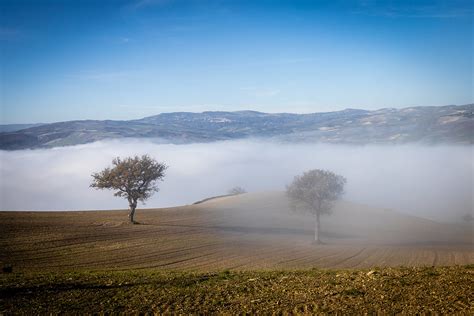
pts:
pixel 16 127
pixel 444 124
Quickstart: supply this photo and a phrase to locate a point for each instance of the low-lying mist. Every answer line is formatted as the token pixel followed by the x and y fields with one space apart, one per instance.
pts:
pixel 429 181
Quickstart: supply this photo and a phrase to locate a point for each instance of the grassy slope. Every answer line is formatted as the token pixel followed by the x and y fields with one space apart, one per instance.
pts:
pixel 411 290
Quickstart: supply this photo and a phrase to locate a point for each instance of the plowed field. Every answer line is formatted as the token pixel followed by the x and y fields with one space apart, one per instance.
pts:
pixel 251 231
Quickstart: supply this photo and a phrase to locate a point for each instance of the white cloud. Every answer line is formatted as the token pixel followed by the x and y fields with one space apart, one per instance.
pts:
pixel 428 181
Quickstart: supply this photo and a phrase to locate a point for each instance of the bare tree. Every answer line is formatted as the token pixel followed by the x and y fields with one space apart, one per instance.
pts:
pixel 314 192
pixel 468 218
pixel 237 190
pixel 132 178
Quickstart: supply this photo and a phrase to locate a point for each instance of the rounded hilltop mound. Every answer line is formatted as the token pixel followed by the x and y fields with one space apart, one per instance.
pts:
pixel 349 221
pixel 245 231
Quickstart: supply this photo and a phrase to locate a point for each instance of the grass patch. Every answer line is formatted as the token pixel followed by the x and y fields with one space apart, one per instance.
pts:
pixel 353 292
pixel 231 292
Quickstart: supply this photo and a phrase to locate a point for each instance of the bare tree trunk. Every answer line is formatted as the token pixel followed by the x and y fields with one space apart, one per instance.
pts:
pixel 131 214
pixel 317 228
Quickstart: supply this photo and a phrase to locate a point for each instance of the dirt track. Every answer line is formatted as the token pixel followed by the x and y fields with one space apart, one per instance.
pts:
pixel 214 235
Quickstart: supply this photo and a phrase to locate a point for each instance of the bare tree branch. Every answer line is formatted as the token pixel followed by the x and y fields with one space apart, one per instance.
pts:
pixel 315 192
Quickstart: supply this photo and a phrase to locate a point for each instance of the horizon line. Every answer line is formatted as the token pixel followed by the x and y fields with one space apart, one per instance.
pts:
pixel 237 111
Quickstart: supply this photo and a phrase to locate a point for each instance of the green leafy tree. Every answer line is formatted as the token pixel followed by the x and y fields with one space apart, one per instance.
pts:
pixel 133 178
pixel 314 192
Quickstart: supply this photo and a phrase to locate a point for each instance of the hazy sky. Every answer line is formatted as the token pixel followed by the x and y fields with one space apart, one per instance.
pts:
pixel 65 60
pixel 429 181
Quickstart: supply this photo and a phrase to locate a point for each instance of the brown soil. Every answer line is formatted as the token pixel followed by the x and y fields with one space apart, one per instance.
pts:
pixel 250 231
pixel 381 291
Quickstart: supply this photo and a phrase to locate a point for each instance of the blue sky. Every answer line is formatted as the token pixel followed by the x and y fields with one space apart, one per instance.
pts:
pixel 67 60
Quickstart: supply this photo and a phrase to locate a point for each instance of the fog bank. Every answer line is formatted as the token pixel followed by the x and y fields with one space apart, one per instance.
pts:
pixel 429 181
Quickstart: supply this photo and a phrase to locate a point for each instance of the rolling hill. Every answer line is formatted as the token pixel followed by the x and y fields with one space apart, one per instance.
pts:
pixel 445 124
pixel 244 232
